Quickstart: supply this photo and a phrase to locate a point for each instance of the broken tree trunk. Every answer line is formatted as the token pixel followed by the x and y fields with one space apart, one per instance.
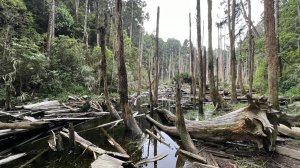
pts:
pixel 114 143
pixel 250 124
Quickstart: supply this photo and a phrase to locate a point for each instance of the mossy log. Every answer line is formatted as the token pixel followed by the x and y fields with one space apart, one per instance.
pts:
pixel 252 123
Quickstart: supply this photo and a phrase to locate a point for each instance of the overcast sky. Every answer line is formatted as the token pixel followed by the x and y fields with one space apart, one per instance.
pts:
pixel 174 18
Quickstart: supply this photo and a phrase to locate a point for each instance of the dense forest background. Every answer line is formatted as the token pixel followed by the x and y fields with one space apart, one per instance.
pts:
pixel 70 63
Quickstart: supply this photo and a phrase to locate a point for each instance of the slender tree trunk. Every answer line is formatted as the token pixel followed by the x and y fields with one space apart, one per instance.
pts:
pixel 7 96
pixel 249 20
pixel 231 28
pixel 193 87
pixel 76 9
pixel 250 50
pixel 156 59
pixel 215 96
pixel 179 61
pixel 50 33
pixel 129 120
pixel 240 76
pixel 277 37
pixel 204 71
pixel 201 74
pixel 170 61
pixel 85 33
pixel 271 52
pixel 180 123
pixel 140 61
pixel 103 66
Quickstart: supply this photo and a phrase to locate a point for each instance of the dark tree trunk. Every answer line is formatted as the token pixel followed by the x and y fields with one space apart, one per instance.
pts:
pixel 156 60
pixel 231 29
pixel 271 52
pixel 204 71
pixel 7 96
pixel 215 96
pixel 129 120
pixel 103 66
pixel 201 74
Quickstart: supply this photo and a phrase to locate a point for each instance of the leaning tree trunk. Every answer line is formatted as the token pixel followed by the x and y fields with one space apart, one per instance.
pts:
pixel 252 123
pixel 103 65
pixel 156 60
pixel 50 33
pixel 129 120
pixel 231 29
pixel 271 52
pixel 215 96
pixel 201 74
pixel 185 137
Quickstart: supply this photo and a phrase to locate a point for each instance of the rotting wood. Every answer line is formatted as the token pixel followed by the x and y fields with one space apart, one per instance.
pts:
pixel 23 125
pixel 193 156
pixel 292 153
pixel 293 132
pixel 154 159
pixel 200 165
pixel 11 158
pixel 114 143
pixel 43 105
pixel 91 147
pixel 157 138
pixel 105 161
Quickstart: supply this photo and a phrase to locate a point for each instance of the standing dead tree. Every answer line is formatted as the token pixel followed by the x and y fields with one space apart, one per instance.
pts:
pixel 156 59
pixel 129 120
pixel 51 22
pixel 193 87
pixel 201 74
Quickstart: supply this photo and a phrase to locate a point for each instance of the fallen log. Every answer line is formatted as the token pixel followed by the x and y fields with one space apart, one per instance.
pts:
pixel 200 165
pixel 90 146
pixel 11 158
pixel 43 105
pixel 23 125
pixel 114 143
pixel 193 156
pixel 249 124
pixel 293 132
pixel 157 138
pixel 292 153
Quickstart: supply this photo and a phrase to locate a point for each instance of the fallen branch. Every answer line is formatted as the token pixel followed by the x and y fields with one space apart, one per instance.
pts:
pixel 293 132
pixel 157 138
pixel 193 156
pixel 22 125
pixel 114 143
pixel 154 159
pixel 12 158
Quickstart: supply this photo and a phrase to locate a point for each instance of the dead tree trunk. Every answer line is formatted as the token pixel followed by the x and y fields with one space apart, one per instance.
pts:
pixel 240 76
pixel 180 123
pixel 201 74
pixel 231 29
pixel 140 61
pixel 216 98
pixel 103 66
pixel 85 33
pixel 271 52
pixel 248 19
pixel 250 49
pixel 50 33
pixel 156 60
pixel 204 70
pixel 193 87
pixel 129 120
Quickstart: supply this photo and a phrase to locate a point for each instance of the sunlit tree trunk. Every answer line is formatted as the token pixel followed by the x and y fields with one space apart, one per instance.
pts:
pixel 51 22
pixel 271 52
pixel 156 60
pixel 231 28
pixel 76 9
pixel 216 98
pixel 85 33
pixel 129 120
pixel 201 74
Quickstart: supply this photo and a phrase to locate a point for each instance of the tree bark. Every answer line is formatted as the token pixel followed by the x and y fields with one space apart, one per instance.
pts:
pixel 231 29
pixel 156 59
pixel 193 87
pixel 271 52
pixel 250 49
pixel 216 98
pixel 185 137
pixel 249 20
pixel 204 71
pixel 240 69
pixel 129 120
pixel 140 61
pixel 201 74
pixel 50 32
pixel 85 33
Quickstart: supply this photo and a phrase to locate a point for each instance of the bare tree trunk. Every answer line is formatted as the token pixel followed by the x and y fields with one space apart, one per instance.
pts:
pixel 271 52
pixel 204 71
pixel 193 87
pixel 216 98
pixel 170 61
pixel 85 33
pixel 140 61
pixel 180 123
pixel 129 120
pixel 50 33
pixel 231 28
pixel 277 37
pixel 250 50
pixel 156 59
pixel 7 96
pixel 240 76
pixel 201 74
pixel 103 66
pixel 249 20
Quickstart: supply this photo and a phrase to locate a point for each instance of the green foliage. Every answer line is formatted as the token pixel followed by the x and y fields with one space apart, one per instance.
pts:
pixel 260 76
pixel 64 20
